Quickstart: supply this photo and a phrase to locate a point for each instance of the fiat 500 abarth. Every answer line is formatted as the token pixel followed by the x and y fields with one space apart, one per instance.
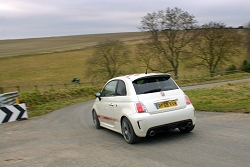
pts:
pixel 143 104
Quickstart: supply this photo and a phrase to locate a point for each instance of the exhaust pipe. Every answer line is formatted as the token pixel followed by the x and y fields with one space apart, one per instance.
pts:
pixel 152 133
pixel 189 124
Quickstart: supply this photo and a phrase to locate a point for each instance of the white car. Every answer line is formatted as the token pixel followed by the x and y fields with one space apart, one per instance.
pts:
pixel 143 104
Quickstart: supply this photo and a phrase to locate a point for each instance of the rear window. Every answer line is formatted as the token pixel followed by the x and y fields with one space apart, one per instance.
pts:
pixel 154 84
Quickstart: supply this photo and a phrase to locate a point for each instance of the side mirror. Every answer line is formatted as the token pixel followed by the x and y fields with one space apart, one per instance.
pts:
pixel 98 94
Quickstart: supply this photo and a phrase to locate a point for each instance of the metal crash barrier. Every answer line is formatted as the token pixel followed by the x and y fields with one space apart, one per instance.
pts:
pixel 10 98
pixel 10 109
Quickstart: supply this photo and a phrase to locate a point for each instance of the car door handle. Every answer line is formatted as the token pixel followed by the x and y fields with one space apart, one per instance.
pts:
pixel 111 104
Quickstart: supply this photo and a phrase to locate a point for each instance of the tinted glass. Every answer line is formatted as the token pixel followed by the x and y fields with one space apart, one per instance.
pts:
pixel 121 89
pixel 154 84
pixel 109 89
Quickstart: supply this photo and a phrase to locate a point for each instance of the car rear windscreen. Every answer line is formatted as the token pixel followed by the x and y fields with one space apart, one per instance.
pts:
pixel 154 84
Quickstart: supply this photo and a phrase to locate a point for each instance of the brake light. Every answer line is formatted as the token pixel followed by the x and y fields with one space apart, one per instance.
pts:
pixel 140 108
pixel 188 101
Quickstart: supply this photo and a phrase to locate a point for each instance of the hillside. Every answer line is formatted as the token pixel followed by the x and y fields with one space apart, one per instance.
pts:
pixel 56 60
pixel 33 46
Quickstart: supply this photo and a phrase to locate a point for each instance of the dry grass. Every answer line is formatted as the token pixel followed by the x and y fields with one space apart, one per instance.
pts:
pixel 58 44
pixel 224 98
pixel 43 69
pixel 37 67
pixel 54 60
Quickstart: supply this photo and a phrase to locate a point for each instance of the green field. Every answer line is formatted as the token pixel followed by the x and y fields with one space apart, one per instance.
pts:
pixel 224 98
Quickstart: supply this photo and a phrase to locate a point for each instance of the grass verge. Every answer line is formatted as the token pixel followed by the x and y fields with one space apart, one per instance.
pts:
pixel 40 103
pixel 224 98
pixel 52 106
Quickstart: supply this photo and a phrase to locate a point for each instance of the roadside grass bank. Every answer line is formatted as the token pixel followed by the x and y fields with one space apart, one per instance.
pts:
pixel 40 103
pixel 231 97
pixel 224 98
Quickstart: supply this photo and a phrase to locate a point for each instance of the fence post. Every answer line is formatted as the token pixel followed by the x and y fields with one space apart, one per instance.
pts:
pixel 18 88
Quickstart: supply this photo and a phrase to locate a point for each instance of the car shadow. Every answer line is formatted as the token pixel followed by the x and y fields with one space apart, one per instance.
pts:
pixel 166 137
pixel 163 137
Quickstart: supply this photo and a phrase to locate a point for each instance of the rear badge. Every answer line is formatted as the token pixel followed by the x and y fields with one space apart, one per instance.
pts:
pixel 162 94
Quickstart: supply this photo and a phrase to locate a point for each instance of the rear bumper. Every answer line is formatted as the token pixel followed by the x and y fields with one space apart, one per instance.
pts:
pixel 143 123
pixel 169 126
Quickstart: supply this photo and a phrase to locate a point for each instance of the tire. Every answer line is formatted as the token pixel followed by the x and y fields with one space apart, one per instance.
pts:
pixel 185 129
pixel 128 132
pixel 96 120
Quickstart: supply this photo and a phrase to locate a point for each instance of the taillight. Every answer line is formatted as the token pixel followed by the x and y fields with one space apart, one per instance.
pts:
pixel 187 100
pixel 140 108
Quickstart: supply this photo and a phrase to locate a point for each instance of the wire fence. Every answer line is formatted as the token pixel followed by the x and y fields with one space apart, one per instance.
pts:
pixel 20 88
pixel 46 87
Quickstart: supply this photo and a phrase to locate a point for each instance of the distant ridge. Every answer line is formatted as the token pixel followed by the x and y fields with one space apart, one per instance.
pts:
pixel 31 46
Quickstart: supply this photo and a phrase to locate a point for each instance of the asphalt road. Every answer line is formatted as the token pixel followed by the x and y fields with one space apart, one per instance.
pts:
pixel 67 137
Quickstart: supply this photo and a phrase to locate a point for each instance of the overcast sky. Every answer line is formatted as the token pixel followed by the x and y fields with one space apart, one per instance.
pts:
pixel 45 18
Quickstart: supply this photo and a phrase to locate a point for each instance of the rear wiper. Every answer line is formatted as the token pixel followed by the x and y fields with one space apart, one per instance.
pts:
pixel 153 90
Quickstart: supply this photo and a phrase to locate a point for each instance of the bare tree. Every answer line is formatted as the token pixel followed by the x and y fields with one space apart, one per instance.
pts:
pixel 247 29
pixel 170 33
pixel 152 60
pixel 216 45
pixel 108 60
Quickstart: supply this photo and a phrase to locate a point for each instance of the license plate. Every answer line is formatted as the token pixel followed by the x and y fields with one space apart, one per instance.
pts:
pixel 167 104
